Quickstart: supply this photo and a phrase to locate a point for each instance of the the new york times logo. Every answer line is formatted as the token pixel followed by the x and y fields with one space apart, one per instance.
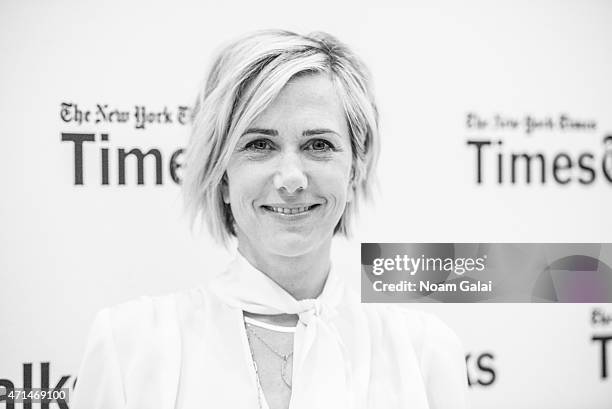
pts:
pixel 121 156
pixel 120 165
pixel 505 152
pixel 141 117
pixel 9 389
pixel 601 321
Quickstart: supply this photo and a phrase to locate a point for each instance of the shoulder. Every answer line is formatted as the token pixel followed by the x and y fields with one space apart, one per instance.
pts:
pixel 425 331
pixel 437 343
pixel 137 322
pixel 438 351
pixel 142 312
pixel 154 308
pixel 132 342
pixel 432 332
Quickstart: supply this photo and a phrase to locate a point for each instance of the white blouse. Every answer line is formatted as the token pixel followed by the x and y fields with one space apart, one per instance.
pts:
pixel 190 350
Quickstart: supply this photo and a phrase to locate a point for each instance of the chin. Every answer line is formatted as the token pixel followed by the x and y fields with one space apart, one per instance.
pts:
pixel 292 245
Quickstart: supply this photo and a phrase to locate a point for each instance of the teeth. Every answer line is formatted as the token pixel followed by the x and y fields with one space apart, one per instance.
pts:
pixel 285 210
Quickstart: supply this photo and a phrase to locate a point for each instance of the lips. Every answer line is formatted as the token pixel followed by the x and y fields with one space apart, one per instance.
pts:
pixel 288 211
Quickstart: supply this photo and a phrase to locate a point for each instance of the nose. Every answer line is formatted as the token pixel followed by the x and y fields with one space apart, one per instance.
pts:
pixel 290 176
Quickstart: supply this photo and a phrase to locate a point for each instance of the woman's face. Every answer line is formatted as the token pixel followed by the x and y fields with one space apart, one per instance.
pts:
pixel 288 180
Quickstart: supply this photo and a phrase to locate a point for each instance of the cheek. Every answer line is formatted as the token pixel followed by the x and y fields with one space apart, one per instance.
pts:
pixel 333 180
pixel 246 182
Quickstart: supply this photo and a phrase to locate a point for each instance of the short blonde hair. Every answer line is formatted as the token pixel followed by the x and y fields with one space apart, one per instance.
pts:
pixel 244 79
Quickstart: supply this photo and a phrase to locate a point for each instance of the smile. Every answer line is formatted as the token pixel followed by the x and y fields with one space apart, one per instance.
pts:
pixel 290 210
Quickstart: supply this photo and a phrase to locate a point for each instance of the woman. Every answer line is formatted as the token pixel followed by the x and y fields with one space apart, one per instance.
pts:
pixel 284 144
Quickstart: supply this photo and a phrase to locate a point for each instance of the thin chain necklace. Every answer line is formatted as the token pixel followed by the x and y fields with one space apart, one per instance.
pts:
pixel 284 357
pixel 259 392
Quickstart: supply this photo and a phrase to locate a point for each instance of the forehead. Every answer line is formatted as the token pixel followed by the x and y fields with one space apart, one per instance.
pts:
pixel 311 98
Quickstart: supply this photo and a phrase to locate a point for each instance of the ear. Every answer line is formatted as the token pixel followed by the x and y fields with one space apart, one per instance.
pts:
pixel 225 189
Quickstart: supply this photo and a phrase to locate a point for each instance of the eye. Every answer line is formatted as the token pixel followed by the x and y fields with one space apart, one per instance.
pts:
pixel 320 145
pixel 259 145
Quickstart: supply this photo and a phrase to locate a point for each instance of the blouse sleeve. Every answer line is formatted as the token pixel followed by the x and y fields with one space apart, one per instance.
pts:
pixel 99 383
pixel 443 365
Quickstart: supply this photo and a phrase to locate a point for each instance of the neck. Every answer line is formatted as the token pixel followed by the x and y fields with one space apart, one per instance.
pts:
pixel 302 276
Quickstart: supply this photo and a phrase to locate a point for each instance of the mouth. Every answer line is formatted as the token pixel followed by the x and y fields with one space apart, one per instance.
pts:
pixel 290 211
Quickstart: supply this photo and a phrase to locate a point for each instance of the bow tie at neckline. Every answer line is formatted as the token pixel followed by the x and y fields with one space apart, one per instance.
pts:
pixel 318 346
pixel 247 288
pixel 311 308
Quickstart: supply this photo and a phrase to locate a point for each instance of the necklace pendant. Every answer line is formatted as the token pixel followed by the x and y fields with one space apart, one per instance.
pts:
pixel 284 376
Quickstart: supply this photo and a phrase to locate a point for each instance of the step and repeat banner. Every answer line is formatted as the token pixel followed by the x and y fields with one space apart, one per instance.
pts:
pixel 496 124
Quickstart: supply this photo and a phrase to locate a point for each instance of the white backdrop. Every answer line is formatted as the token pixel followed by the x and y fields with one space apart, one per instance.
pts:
pixel 68 250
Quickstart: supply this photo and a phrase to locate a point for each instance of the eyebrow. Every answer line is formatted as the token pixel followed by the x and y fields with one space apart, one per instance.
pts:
pixel 273 132
pixel 311 132
pixel 262 131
